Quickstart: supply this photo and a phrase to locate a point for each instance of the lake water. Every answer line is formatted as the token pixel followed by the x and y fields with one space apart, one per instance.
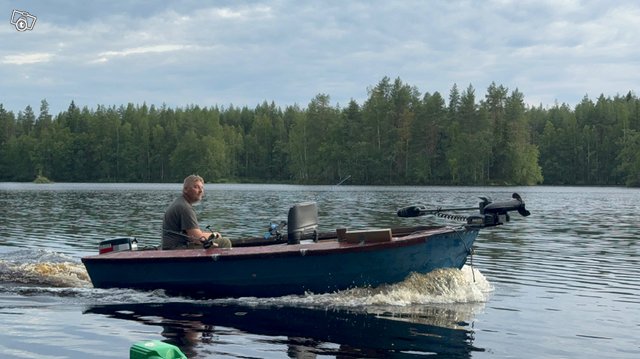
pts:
pixel 561 283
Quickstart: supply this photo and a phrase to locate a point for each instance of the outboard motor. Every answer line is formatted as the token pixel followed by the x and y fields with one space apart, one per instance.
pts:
pixel 302 222
pixel 118 244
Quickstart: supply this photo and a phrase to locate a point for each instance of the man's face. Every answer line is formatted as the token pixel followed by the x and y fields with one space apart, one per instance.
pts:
pixel 194 192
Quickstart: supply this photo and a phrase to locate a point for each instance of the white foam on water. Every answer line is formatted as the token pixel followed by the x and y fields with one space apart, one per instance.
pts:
pixel 442 286
pixel 42 268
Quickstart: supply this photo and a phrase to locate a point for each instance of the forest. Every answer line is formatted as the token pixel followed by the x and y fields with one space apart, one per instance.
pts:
pixel 398 136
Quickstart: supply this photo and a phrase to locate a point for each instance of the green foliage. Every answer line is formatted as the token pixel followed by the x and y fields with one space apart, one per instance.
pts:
pixel 41 180
pixel 396 137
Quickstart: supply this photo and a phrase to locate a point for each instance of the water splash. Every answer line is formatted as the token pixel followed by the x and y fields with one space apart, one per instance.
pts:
pixel 42 268
pixel 448 298
pixel 442 286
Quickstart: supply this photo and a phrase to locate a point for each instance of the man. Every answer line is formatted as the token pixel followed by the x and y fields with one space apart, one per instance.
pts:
pixel 180 226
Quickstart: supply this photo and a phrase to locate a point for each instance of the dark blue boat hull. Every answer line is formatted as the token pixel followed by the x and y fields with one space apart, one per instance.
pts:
pixel 278 270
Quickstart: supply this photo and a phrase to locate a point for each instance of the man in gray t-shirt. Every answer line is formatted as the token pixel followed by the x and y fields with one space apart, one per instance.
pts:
pixel 180 225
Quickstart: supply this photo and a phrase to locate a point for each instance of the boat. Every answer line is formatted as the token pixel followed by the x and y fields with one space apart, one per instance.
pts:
pixel 302 260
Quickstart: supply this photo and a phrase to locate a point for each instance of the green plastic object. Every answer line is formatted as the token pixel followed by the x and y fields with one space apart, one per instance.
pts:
pixel 155 349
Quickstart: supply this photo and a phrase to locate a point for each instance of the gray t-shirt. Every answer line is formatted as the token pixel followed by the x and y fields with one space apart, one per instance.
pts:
pixel 178 217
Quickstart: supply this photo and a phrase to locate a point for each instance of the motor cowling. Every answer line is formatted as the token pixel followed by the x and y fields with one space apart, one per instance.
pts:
pixel 118 244
pixel 302 222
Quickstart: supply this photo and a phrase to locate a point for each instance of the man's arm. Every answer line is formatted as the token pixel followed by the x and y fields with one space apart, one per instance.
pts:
pixel 198 236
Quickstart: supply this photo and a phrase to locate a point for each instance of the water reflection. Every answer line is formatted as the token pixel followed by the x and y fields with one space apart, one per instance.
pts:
pixel 201 329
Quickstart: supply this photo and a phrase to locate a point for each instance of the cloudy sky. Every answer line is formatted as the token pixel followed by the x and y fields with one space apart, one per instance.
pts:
pixel 245 52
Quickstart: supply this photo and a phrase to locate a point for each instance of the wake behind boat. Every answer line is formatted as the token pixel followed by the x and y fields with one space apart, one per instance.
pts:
pixel 302 259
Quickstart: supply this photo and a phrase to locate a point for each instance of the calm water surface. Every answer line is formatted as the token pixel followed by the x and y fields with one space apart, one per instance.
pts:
pixel 562 283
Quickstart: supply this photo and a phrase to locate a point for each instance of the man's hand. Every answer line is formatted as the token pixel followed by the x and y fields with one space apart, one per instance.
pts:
pixel 207 243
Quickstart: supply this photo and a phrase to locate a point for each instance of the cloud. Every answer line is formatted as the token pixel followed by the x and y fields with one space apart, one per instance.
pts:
pixel 153 49
pixel 246 52
pixel 27 58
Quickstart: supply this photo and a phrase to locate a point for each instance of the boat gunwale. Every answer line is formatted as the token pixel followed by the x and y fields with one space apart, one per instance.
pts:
pixel 327 247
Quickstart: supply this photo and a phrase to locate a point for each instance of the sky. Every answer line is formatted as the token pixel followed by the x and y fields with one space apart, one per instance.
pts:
pixel 242 53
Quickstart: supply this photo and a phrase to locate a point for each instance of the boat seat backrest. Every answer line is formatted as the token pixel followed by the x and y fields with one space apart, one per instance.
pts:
pixel 302 222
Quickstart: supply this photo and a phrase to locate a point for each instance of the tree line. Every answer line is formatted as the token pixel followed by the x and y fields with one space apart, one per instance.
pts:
pixel 398 136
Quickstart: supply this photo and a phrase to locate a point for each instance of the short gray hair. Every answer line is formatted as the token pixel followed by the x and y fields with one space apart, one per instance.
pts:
pixel 191 179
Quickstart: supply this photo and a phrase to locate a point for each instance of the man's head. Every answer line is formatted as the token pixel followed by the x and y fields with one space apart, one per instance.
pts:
pixel 193 188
